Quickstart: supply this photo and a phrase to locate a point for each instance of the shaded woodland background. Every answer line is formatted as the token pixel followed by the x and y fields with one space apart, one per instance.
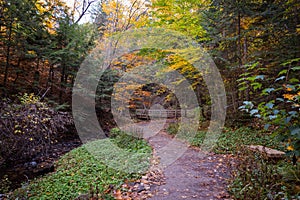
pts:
pixel 254 43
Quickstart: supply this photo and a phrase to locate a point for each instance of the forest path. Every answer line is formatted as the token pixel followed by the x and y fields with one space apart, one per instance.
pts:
pixel 194 175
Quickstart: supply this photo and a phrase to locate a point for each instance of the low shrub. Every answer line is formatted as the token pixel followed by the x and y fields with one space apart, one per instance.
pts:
pixel 258 177
pixel 28 126
pixel 4 185
pixel 173 128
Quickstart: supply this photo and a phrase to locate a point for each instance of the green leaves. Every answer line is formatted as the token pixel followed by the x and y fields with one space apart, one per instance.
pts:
pixel 250 79
pixel 283 113
pixel 180 15
pixel 289 62
pixel 79 170
pixel 295 131
pixel 256 86
pixel 296 68
pixel 280 78
pixel 270 105
pixel 247 106
pixel 282 72
pixel 267 91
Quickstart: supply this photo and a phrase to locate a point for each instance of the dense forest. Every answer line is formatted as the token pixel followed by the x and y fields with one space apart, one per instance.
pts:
pixel 255 45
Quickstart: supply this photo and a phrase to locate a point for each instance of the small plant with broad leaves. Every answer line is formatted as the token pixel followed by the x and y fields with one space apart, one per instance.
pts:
pixel 281 102
pixel 84 174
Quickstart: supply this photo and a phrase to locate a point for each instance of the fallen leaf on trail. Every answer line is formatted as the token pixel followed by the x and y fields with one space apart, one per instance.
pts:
pixel 118 195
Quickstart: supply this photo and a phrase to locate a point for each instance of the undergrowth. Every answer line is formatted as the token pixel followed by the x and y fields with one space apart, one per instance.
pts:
pixel 82 169
pixel 230 139
pixel 258 177
pixel 28 127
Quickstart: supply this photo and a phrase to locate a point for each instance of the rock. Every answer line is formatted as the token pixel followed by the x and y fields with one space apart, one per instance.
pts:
pixel 44 168
pixel 140 188
pixel 33 164
pixel 271 153
pixel 147 187
pixel 82 197
pixel 144 177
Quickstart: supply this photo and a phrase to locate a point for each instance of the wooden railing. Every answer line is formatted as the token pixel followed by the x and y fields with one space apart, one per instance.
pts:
pixel 145 113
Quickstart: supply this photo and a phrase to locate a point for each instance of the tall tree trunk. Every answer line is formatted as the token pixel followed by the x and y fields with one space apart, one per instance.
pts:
pixel 62 82
pixel 239 40
pixel 18 70
pixel 8 55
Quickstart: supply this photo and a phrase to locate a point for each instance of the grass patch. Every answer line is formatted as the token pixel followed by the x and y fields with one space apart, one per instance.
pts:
pixel 135 159
pixel 79 170
pixel 173 128
pixel 230 139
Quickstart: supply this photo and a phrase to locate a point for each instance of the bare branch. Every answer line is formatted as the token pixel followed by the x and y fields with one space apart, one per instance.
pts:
pixel 84 8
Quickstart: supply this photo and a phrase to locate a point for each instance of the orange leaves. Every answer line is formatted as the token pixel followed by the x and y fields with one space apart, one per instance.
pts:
pixel 289 89
pixel 131 60
pixel 146 93
pixel 293 98
pixel 289 96
pixel 118 195
pixel 290 148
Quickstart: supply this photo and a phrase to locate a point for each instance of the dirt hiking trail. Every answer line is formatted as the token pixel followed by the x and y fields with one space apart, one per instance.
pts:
pixel 192 176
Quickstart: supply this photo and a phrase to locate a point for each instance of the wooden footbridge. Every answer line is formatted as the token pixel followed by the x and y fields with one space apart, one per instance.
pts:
pixel 150 113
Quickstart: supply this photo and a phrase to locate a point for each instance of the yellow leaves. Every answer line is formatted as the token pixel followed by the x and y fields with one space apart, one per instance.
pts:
pixel 40 7
pixel 107 8
pixel 49 25
pixel 182 16
pixel 290 148
pixel 45 120
pixel 298 30
pixel 17 131
pixel 46 62
pixel 123 15
pixel 31 52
